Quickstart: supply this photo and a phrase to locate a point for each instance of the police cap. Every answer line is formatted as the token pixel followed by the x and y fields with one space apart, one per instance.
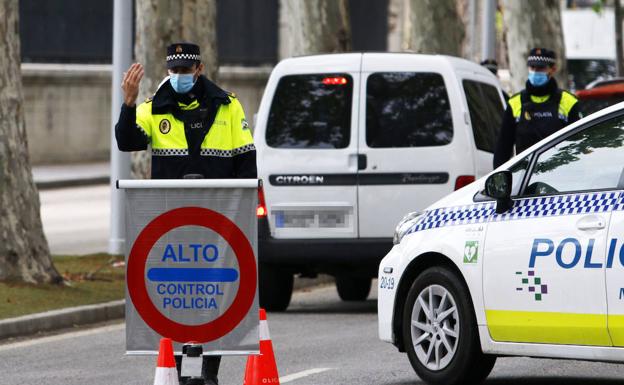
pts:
pixel 182 55
pixel 490 64
pixel 541 57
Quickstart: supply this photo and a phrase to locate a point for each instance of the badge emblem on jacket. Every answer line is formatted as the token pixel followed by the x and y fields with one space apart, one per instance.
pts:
pixel 164 126
pixel 527 116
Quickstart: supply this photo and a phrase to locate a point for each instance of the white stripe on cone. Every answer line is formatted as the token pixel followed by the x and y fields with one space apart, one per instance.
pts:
pixel 264 331
pixel 166 376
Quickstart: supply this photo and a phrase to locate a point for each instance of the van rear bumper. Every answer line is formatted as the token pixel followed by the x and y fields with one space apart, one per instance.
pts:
pixel 356 256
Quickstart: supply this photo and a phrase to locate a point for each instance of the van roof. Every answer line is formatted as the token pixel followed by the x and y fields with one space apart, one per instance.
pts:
pixel 455 63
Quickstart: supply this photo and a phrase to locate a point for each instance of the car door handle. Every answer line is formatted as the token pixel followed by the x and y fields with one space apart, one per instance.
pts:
pixel 362 162
pixel 591 222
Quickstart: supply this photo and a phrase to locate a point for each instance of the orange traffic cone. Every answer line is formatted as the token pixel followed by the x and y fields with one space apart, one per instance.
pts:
pixel 166 373
pixel 262 369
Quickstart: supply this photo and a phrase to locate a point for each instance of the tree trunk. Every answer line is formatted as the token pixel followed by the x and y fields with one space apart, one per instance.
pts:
pixel 158 24
pixel 434 27
pixel 314 26
pixel 529 24
pixel 619 54
pixel 24 252
pixel 396 12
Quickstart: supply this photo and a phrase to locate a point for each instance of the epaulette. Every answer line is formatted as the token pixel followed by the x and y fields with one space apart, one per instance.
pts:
pixel 569 93
pixel 149 100
pixel 516 94
pixel 231 94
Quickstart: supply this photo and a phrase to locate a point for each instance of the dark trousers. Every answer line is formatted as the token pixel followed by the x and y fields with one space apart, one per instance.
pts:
pixel 210 368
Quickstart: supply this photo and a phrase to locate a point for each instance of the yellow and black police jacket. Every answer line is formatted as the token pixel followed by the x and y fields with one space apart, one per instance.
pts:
pixel 532 115
pixel 203 132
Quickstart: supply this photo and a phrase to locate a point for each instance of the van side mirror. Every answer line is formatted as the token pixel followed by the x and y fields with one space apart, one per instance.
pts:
pixel 498 186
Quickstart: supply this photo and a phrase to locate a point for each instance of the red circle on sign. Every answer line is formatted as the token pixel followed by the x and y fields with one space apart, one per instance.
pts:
pixel 192 216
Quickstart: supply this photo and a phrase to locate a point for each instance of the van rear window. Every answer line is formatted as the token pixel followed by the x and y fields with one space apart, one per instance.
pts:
pixel 311 111
pixel 407 109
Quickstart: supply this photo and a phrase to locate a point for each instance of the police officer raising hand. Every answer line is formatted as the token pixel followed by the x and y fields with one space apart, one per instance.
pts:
pixel 130 84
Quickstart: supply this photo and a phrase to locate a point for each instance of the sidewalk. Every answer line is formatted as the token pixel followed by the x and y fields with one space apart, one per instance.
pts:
pixel 53 320
pixel 67 175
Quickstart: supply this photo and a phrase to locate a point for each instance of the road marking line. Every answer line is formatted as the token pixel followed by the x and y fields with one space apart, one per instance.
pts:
pixel 60 337
pixel 305 373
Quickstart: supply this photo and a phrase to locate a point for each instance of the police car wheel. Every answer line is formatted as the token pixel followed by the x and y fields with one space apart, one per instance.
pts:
pixel 275 288
pixel 353 288
pixel 440 332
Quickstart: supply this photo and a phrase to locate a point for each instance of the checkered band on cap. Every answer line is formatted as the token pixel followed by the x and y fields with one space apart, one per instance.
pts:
pixel 183 56
pixel 541 59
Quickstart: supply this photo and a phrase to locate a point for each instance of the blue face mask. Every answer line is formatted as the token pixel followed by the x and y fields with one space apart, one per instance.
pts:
pixel 538 78
pixel 182 83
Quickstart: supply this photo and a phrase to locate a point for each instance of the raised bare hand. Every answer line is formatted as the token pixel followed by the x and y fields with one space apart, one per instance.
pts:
pixel 130 83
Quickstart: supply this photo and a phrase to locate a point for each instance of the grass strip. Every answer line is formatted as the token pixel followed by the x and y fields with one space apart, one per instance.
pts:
pixel 89 279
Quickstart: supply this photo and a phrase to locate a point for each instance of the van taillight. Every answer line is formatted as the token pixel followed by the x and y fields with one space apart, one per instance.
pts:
pixel 463 180
pixel 335 81
pixel 261 210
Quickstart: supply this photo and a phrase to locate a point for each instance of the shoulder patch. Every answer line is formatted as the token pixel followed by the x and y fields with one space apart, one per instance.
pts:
pixel 244 124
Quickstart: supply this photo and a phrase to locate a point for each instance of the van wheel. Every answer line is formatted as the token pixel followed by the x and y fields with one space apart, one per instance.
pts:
pixel 276 287
pixel 353 288
pixel 440 331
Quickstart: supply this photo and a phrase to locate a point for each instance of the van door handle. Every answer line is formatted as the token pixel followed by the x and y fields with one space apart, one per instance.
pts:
pixel 591 222
pixel 362 161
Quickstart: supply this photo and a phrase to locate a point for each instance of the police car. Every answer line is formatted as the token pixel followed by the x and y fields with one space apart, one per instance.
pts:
pixel 528 261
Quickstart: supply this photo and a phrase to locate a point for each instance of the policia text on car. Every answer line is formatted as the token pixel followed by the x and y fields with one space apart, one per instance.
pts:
pixel 536 112
pixel 195 129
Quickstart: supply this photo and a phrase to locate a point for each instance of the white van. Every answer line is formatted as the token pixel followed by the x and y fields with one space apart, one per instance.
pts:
pixel 348 143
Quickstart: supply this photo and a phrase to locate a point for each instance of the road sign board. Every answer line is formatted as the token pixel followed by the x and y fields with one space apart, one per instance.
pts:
pixel 192 264
pixel 137 274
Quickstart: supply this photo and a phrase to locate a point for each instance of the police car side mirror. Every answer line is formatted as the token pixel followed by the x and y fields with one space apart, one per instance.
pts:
pixel 498 186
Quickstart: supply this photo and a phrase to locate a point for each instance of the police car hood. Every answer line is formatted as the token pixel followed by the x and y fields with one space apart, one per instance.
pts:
pixel 465 195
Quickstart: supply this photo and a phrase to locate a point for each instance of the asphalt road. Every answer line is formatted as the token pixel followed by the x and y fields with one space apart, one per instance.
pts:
pixel 320 340
pixel 76 220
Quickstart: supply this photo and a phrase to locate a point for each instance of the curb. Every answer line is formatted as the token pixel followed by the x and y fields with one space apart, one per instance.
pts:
pixel 61 183
pixel 60 319
pixel 90 314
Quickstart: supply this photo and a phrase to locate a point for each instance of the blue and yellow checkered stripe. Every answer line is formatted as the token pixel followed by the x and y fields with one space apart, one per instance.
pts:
pixel 523 209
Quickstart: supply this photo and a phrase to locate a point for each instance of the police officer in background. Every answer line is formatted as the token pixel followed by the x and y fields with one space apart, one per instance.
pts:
pixel 537 111
pixel 492 66
pixel 195 130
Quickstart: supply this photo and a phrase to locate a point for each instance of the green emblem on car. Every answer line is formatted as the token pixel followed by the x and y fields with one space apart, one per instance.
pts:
pixel 471 252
